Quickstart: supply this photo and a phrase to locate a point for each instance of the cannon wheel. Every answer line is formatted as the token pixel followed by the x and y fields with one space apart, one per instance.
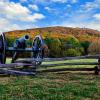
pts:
pixel 39 55
pixel 2 49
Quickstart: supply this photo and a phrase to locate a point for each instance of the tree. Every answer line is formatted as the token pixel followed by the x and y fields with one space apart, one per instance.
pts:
pixel 85 45
pixel 94 47
pixel 54 46
pixel 72 41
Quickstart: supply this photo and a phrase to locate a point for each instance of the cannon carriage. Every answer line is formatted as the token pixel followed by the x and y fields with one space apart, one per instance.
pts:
pixel 20 45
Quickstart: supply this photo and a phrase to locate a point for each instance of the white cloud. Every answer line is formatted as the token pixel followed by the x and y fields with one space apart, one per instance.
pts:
pixel 89 6
pixel 5 25
pixel 91 25
pixel 61 1
pixel 52 10
pixel 23 1
pixel 34 7
pixel 48 2
pixel 74 1
pixel 35 17
pixel 15 11
pixel 48 8
pixel 13 14
pixel 97 16
pixel 85 16
pixel 68 5
pixel 65 1
pixel 4 0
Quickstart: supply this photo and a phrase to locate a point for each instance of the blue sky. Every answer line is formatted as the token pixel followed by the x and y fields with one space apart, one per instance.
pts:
pixel 25 14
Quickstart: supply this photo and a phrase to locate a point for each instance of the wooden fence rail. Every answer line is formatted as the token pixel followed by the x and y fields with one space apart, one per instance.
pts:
pixel 67 69
pixel 66 64
pixel 61 59
pixel 72 58
pixel 4 68
pixel 14 72
pixel 13 65
pixel 96 70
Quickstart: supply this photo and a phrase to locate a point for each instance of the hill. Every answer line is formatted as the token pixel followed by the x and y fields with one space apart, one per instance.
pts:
pixel 57 32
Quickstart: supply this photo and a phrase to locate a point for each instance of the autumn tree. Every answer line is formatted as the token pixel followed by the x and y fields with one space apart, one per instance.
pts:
pixel 72 41
pixel 94 47
pixel 54 46
pixel 85 45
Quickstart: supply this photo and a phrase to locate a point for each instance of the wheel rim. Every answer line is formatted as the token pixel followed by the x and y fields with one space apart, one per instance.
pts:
pixel 38 57
pixel 2 49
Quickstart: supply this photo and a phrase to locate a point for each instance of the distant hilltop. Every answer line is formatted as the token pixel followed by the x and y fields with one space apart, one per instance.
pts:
pixel 56 32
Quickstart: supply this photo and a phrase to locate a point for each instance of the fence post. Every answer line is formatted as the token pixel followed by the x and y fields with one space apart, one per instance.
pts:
pixel 97 68
pixel 99 61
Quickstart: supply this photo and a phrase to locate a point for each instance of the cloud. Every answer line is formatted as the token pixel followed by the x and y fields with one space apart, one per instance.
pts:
pixel 6 25
pixel 23 1
pixel 34 7
pixel 47 8
pixel 4 0
pixel 74 1
pixel 48 2
pixel 91 25
pixel 13 14
pixel 36 16
pixel 15 11
pixel 60 1
pixel 97 16
pixel 51 10
pixel 89 6
pixel 87 18
pixel 65 1
pixel 68 6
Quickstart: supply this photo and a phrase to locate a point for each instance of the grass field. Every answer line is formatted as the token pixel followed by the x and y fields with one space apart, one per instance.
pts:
pixel 51 86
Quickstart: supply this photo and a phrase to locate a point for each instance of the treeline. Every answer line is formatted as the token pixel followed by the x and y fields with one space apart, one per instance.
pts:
pixel 62 41
pixel 69 46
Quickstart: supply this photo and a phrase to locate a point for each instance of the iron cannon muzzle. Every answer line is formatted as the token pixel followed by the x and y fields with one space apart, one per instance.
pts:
pixel 26 37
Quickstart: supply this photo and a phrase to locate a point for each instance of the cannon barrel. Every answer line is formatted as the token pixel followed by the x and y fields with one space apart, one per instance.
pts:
pixel 24 38
pixel 21 42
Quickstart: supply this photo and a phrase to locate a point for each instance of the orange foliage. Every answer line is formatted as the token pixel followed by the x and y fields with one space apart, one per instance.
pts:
pixel 81 34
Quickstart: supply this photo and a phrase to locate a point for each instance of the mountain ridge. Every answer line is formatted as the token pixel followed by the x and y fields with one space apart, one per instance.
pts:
pixel 56 31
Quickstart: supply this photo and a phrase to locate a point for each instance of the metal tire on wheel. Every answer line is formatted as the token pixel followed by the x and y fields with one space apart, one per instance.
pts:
pixel 2 49
pixel 38 53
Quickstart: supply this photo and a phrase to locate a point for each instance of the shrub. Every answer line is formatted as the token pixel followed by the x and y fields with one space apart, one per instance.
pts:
pixel 94 47
pixel 9 42
pixel 72 52
pixel 54 46
pixel 72 41
pixel 85 45
pixel 46 51
pixel 81 50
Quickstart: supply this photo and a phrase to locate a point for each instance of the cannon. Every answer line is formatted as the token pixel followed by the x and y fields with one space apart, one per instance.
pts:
pixel 21 42
pixel 20 46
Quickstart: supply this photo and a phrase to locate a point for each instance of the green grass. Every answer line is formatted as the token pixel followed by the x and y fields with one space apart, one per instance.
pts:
pixel 51 86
